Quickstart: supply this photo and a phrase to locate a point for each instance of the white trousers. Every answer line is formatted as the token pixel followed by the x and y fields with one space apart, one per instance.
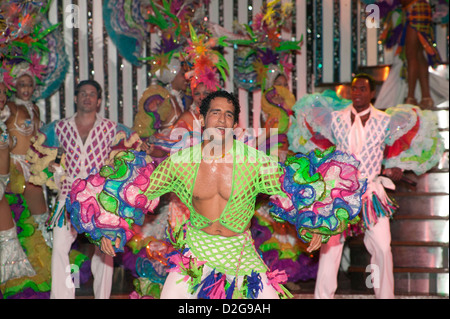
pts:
pixel 63 287
pixel 377 240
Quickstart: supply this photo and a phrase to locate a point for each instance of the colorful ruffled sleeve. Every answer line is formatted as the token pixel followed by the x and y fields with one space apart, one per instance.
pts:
pixel 43 150
pixel 110 202
pixel 311 126
pixel 125 139
pixel 414 142
pixel 323 193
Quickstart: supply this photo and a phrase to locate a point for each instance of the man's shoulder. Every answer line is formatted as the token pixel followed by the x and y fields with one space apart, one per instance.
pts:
pixel 380 113
pixel 110 125
pixel 191 154
pixel 54 124
pixel 345 110
pixel 102 119
pixel 252 154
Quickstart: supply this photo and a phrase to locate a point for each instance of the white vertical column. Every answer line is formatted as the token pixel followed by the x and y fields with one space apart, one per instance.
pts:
pixel 127 91
pixel 358 34
pixel 83 51
pixel 155 40
pixel 68 83
pixel 327 41
pixel 41 106
pixel 142 76
pixel 371 43
pixel 97 31
pixel 229 52
pixel 113 102
pixel 287 35
pixel 257 96
pixel 214 11
pixel 441 41
pixel 301 65
pixel 54 99
pixel 345 68
pixel 243 94
pixel 371 48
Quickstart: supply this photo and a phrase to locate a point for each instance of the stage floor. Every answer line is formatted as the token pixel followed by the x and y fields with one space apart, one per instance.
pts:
pixel 123 286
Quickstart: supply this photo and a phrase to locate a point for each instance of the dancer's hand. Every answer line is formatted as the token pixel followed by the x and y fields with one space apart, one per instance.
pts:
pixel 107 246
pixel 393 173
pixel 315 242
pixel 52 167
pixel 147 148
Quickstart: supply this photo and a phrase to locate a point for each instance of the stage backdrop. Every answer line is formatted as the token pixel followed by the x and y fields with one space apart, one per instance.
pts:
pixel 336 43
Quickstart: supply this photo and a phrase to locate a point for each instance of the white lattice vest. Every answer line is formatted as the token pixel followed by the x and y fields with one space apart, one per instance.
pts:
pixel 376 131
pixel 82 159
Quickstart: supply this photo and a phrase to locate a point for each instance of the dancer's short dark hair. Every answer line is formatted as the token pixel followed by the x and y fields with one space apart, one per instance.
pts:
pixel 206 103
pixel 368 77
pixel 90 82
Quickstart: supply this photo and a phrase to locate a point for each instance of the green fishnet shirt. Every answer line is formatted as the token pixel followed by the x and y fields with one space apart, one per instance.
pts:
pixel 253 173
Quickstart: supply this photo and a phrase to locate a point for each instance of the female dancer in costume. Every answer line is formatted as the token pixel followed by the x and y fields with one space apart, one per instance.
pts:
pixel 160 107
pixel 13 261
pixel 24 127
pixel 414 38
pixel 21 274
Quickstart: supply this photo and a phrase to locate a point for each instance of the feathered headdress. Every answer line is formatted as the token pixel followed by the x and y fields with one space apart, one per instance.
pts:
pixel 25 42
pixel 165 63
pixel 264 46
pixel 171 20
pixel 34 69
pixel 6 78
pixel 206 62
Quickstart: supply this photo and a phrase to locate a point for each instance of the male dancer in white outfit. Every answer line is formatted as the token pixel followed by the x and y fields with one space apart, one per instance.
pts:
pixel 86 140
pixel 361 129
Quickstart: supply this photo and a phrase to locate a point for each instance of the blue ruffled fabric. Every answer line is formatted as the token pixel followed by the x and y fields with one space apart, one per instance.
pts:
pixel 146 269
pixel 110 200
pixel 324 206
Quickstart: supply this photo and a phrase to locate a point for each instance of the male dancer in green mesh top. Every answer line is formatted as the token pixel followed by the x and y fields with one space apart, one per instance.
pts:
pixel 218 180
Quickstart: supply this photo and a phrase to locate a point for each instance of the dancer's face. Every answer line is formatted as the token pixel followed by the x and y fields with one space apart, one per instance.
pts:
pixel 179 83
pixel 219 120
pixel 87 99
pixel 199 93
pixel 281 80
pixel 3 96
pixel 361 94
pixel 25 87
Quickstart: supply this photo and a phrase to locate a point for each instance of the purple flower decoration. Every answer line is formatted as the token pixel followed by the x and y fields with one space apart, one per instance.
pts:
pixel 268 57
pixel 168 44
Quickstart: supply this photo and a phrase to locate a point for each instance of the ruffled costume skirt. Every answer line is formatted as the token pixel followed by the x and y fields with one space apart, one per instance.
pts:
pixel 217 267
pixel 280 247
pixel 30 278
